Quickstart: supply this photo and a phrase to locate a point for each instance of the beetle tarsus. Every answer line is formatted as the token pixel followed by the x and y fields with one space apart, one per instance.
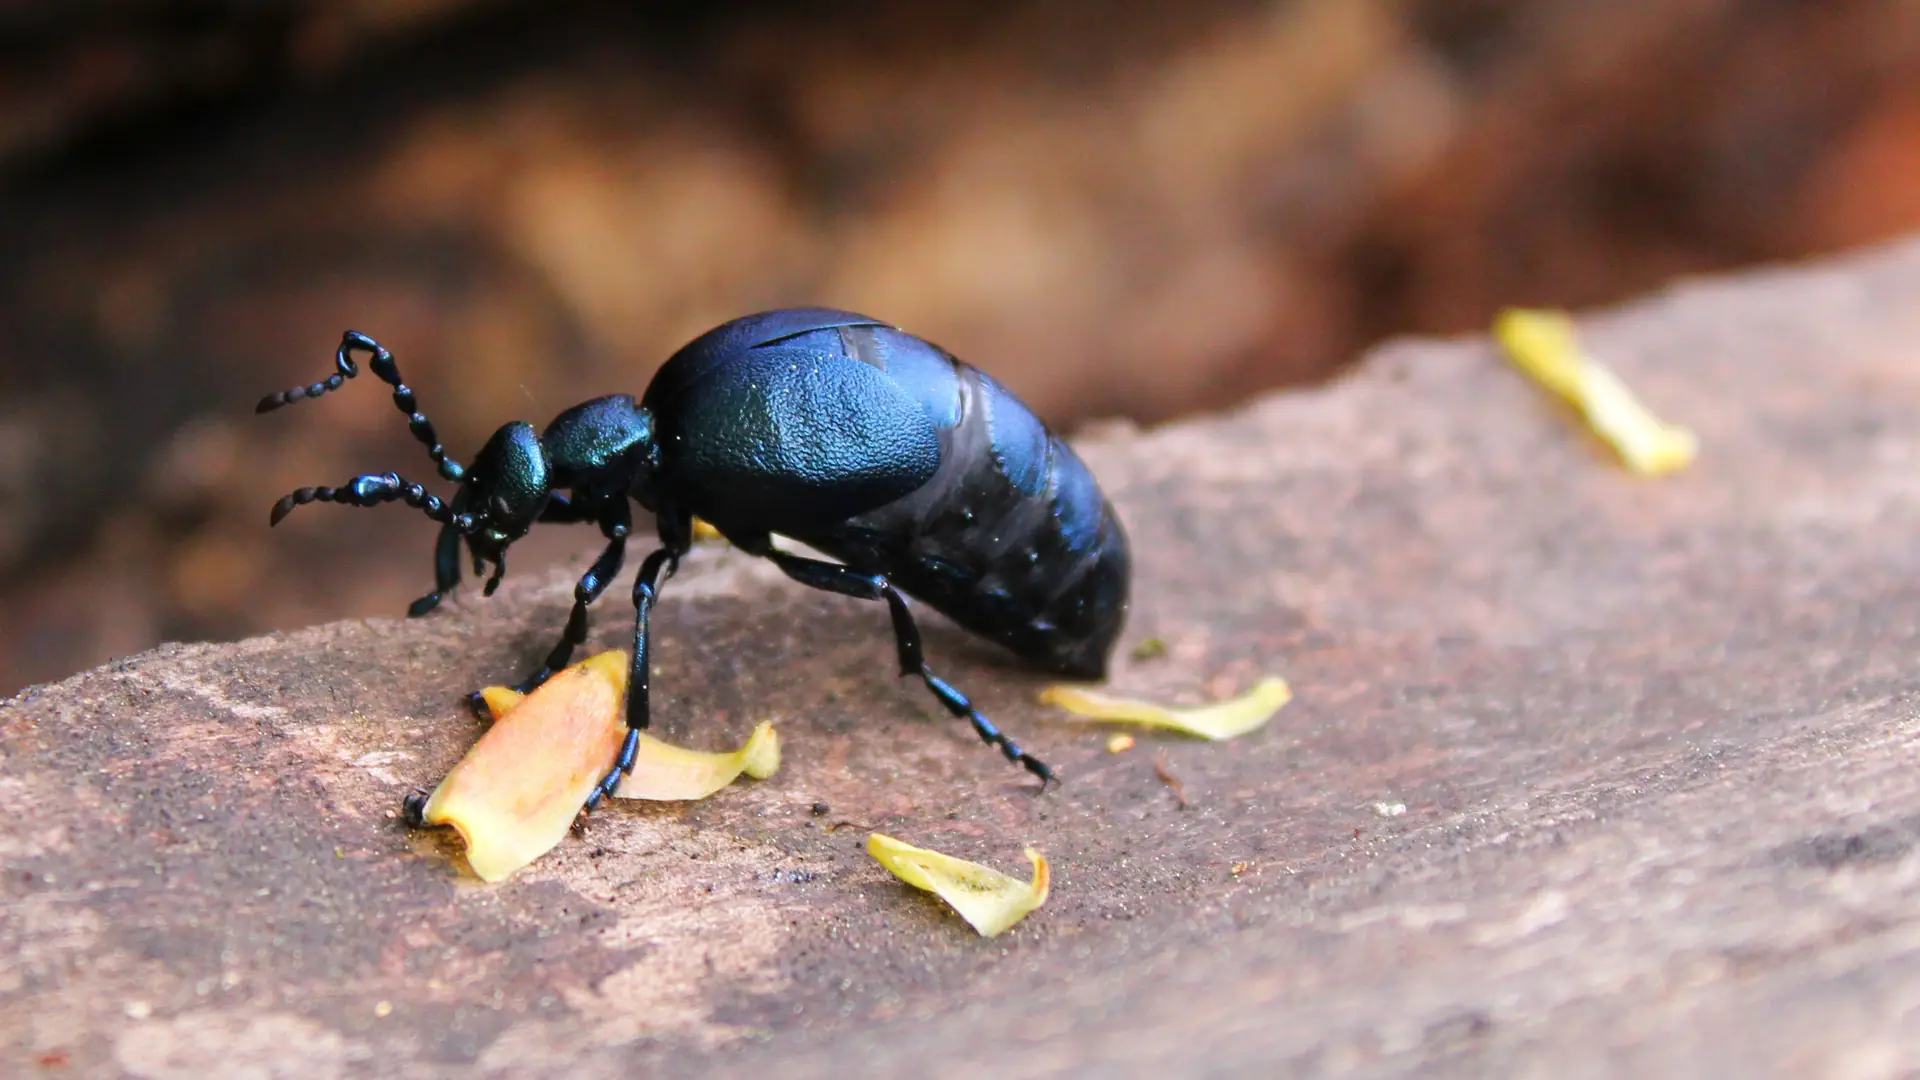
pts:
pixel 413 808
pixel 622 768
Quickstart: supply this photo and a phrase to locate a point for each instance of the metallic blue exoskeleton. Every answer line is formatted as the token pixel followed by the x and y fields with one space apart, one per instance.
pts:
pixel 919 473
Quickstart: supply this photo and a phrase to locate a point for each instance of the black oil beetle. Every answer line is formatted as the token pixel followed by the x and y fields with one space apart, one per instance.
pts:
pixel 919 473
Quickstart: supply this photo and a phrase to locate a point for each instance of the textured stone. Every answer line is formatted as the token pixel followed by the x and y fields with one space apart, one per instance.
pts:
pixel 1656 743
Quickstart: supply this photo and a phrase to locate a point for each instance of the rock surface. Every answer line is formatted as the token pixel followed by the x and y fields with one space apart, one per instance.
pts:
pixel 1656 744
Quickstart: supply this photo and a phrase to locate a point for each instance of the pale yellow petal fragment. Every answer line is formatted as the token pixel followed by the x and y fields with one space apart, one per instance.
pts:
pixel 663 771
pixel 1119 744
pixel 1543 344
pixel 989 900
pixel 1221 720
pixel 517 791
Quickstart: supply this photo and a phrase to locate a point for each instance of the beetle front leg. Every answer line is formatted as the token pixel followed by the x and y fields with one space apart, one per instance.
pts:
pixel 446 572
pixel 615 526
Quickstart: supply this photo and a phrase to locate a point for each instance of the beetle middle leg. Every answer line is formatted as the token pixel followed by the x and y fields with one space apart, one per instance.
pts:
pixel 834 578
pixel 646 589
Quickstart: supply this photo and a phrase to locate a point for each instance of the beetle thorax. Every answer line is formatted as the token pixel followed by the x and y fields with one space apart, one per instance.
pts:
pixel 600 447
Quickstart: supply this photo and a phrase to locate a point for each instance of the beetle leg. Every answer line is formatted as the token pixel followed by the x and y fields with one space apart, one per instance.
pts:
pixel 446 571
pixel 561 510
pixel 615 524
pixel 834 578
pixel 646 589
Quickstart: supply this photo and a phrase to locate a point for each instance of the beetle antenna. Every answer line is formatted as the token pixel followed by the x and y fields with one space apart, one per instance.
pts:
pixel 374 489
pixel 388 371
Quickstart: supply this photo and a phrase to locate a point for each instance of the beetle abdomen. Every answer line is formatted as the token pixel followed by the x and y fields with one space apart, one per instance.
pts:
pixel 1011 537
pixel 790 434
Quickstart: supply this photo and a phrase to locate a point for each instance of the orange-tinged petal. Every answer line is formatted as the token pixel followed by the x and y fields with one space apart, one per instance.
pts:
pixel 500 699
pixel 664 772
pixel 517 791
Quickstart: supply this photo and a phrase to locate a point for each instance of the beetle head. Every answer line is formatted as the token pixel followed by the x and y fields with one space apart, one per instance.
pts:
pixel 501 496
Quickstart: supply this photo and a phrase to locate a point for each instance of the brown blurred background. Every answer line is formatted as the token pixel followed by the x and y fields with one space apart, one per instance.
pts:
pixel 1129 208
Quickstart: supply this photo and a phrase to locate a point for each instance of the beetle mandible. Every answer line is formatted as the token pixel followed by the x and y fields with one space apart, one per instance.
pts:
pixel 918 472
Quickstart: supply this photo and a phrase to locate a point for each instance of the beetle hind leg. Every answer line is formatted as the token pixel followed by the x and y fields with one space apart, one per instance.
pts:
pixel 834 578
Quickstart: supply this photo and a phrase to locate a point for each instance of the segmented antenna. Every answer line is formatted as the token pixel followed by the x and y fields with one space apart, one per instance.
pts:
pixel 388 371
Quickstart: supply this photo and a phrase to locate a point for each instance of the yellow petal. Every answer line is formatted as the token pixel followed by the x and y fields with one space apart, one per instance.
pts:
pixel 518 790
pixel 499 699
pixel 1543 344
pixel 704 533
pixel 663 771
pixel 988 899
pixel 1221 720
pixel 516 793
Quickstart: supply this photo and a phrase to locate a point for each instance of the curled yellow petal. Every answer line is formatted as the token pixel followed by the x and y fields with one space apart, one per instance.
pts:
pixel 704 533
pixel 663 771
pixel 1221 720
pixel 1544 345
pixel 516 792
pixel 989 900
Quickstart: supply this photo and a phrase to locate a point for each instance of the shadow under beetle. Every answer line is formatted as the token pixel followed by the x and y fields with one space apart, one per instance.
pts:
pixel 920 473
